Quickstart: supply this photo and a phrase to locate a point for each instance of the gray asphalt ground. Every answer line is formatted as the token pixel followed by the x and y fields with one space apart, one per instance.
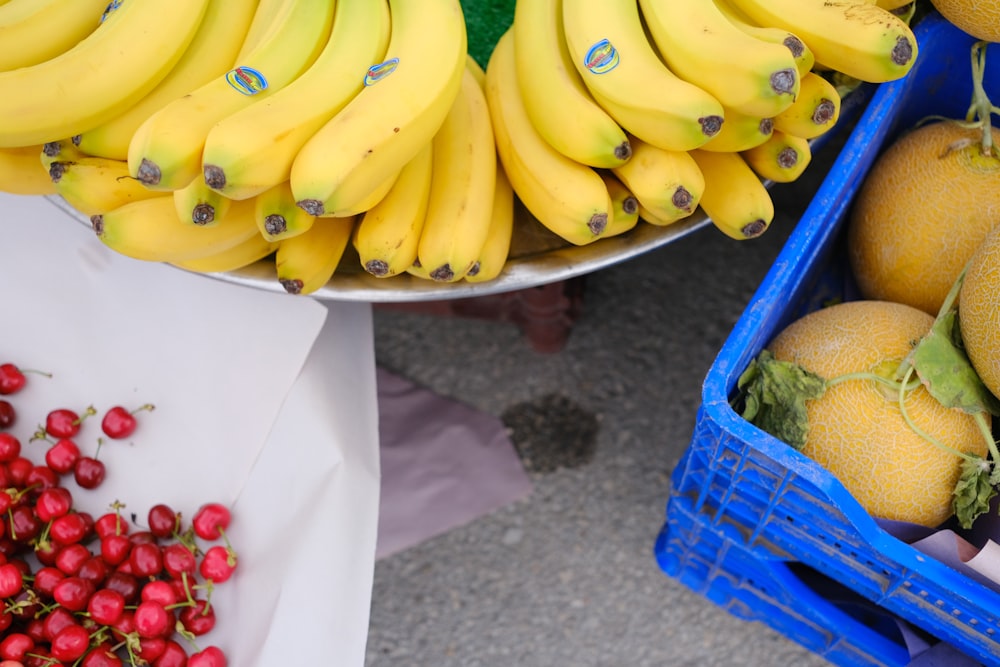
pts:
pixel 567 576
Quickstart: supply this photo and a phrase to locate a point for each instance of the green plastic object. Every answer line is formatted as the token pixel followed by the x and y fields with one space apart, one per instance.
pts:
pixel 486 21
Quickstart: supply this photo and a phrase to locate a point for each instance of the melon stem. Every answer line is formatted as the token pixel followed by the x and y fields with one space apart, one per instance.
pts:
pixel 981 109
pixel 919 431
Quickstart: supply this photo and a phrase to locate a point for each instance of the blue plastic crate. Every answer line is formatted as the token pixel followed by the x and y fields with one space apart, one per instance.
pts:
pixel 785 505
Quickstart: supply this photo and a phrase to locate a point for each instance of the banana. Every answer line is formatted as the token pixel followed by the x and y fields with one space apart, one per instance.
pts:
pixel 739 132
pixel 625 75
pixel 399 110
pixel 558 103
pixel 626 213
pixel 476 70
pixel 21 173
pixel 210 54
pixel 306 262
pixel 496 250
pixel 150 230
pixel 815 111
pixel 165 151
pixel 254 148
pixel 94 185
pixel 33 31
pixel 803 55
pixel 63 149
pixel 861 40
pixel 699 44
pixel 668 184
pixel 277 215
pixel 892 5
pixel 198 204
pixel 735 199
pixel 387 235
pixel 245 253
pixel 463 175
pixel 567 197
pixel 92 82
pixel 780 159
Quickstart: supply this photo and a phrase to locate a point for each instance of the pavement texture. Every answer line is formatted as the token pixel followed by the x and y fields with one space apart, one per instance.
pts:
pixel 567 575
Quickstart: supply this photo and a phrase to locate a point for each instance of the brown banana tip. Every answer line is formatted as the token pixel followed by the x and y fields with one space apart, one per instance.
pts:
pixel 148 172
pixel 766 126
pixel 630 204
pixel 57 169
pixel 623 151
pixel 97 223
pixel 754 229
pixel 823 113
pixel 710 125
pixel 783 81
pixel 377 267
pixel 597 223
pixel 682 198
pixel 215 177
pixel 275 224
pixel 291 285
pixel 902 51
pixel 474 269
pixel 202 214
pixel 795 45
pixel 51 148
pixel 788 158
pixel 442 273
pixel 311 206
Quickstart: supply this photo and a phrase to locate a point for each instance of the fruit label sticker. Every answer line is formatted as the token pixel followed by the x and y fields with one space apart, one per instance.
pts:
pixel 112 6
pixel 378 72
pixel 602 57
pixel 246 80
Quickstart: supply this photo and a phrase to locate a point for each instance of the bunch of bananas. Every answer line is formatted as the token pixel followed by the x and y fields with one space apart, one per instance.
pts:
pixel 211 135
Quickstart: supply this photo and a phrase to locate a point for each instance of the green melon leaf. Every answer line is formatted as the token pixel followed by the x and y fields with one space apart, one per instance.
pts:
pixel 974 490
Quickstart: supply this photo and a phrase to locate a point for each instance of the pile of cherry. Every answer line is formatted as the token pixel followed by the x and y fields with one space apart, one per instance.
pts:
pixel 79 590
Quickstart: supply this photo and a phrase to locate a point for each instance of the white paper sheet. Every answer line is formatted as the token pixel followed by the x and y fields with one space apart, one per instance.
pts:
pixel 218 362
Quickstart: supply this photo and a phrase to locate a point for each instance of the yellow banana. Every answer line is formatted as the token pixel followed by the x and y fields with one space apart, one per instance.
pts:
pixel 277 215
pixel 198 204
pixel 476 70
pixel 33 31
pixel 781 159
pixel 861 40
pixel 567 197
pixel 93 81
pixel 735 199
pixel 165 151
pixel 387 235
pixel 399 110
pixel 22 174
pixel 306 262
pixel 210 54
pixel 254 148
pixel 63 149
pixel 700 45
pixel 892 5
pixel 816 110
pixel 266 19
pixel 624 73
pixel 94 185
pixel 803 55
pixel 739 132
pixel 496 250
pixel 626 213
pixel 669 184
pixel 463 175
pixel 418 271
pixel 558 103
pixel 150 230
pixel 245 253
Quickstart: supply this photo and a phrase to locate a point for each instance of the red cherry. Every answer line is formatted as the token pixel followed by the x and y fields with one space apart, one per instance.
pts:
pixel 152 620
pixel 68 529
pixel 10 447
pixel 70 643
pixel 163 521
pixel 18 470
pixel 94 570
pixel 218 564
pixel 125 583
pixel 89 472
pixel 146 560
pixel 11 379
pixel 57 619
pixel 173 655
pixel 101 656
pixel 73 593
pixel 210 656
pixel 11 580
pixel 15 645
pixel 115 549
pixel 111 523
pixel 199 618
pixel 41 477
pixel 179 560
pixel 53 502
pixel 211 521
pixel 24 526
pixel 119 422
pixel 72 557
pixel 63 455
pixel 46 579
pixel 159 591
pixel 65 423
pixel 8 415
pixel 106 606
pixel 150 649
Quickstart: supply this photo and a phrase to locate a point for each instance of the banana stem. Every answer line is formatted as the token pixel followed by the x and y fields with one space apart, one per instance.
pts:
pixel 981 108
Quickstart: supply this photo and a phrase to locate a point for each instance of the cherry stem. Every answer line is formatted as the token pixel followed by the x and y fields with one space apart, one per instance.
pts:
pixel 145 406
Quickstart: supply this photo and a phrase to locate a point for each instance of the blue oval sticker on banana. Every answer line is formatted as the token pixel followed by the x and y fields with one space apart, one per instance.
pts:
pixel 602 57
pixel 378 72
pixel 246 80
